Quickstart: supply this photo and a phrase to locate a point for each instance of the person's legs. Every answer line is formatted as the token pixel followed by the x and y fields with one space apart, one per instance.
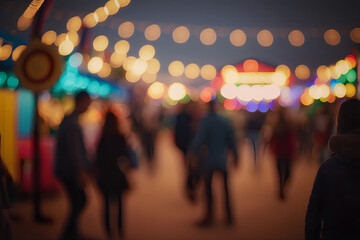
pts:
pixel 120 217
pixel 107 212
pixel 77 203
pixel 209 197
pixel 229 218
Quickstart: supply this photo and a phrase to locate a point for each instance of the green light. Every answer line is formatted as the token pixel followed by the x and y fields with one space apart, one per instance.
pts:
pixel 351 75
pixel 3 77
pixel 186 99
pixel 342 79
pixel 12 82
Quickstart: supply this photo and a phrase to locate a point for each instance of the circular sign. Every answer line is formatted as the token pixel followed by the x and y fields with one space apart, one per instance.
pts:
pixel 38 67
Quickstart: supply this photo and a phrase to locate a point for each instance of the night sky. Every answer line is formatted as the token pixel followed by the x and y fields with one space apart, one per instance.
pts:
pixel 313 18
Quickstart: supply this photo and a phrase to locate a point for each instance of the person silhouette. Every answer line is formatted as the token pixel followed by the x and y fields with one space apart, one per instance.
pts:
pixel 214 137
pixel 71 163
pixel 113 159
pixel 333 210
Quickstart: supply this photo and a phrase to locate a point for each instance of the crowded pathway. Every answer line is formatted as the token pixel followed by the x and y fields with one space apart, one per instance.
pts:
pixel 157 208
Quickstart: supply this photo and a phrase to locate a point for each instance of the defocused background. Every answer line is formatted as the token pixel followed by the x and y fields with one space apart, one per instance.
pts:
pixel 145 60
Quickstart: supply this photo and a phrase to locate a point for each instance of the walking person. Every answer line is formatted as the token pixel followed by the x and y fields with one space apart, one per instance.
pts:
pixel 334 210
pixel 283 144
pixel 71 163
pixel 214 137
pixel 113 158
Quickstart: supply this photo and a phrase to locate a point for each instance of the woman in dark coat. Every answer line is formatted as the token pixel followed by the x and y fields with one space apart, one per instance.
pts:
pixel 112 160
pixel 334 205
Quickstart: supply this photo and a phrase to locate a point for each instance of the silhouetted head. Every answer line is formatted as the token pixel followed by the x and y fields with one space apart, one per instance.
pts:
pixel 349 116
pixel 111 123
pixel 82 102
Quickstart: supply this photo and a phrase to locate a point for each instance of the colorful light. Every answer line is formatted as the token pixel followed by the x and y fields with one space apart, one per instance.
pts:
pixel 332 37
pixel 17 52
pixel 95 64
pixel 355 35
pixel 351 76
pixel 74 24
pixel 296 38
pixel 302 72
pixel 207 94
pixel 76 59
pixel 230 74
pixel 100 43
pixel 229 91
pixel 251 65
pixel 251 106
pixel 5 52
pixel 340 90
pixel 350 90
pixel 49 37
pixel 176 91
pixel 153 66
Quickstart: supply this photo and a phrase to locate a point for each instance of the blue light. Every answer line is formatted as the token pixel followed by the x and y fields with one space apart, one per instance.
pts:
pixel 273 105
pixel 104 90
pixel 333 82
pixel 94 87
pixel 263 106
pixel 251 106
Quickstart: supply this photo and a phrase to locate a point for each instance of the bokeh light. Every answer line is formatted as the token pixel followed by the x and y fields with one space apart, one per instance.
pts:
pixel 265 38
pixel 90 20
pixel 176 68
pixel 339 90
pixel 350 59
pixel 60 38
pixel 284 69
pixel 129 63
pixel 181 34
pixel 105 70
pixel 207 94
pixel 126 29
pixel 100 43
pixel 192 71
pixel 102 13
pixel 252 106
pixel 74 24
pixel 229 104
pixel 176 91
pixel 208 72
pixel 229 74
pixel 302 72
pixel 132 77
pixel 76 59
pixel 124 3
pixel 112 6
pixel 323 73
pixel 49 37
pixel 149 77
pixel 153 66
pixel 335 73
pixel 73 37
pixel 156 90
pixel 237 38
pixel 350 90
pixel 296 38
pixel 139 66
pixel 251 65
pixel 122 47
pixel 117 59
pixel 24 23
pixel 342 66
pixel 17 52
pixel 66 47
pixel 229 91
pixel 208 36
pixel 351 76
pixel 355 35
pixel 332 37
pixel 263 106
pixel 152 32
pixel 95 64
pixel 147 52
pixel 5 52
